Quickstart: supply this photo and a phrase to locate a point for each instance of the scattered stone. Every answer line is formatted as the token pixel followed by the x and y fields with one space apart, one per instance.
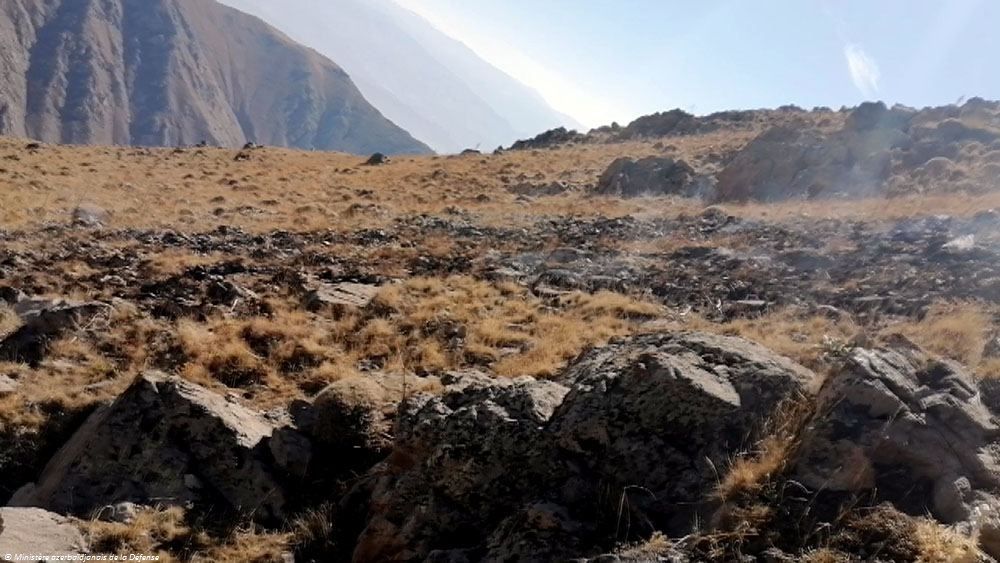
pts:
pixel 960 244
pixel 89 215
pixel 121 513
pixel 7 385
pixel 377 159
pixel 341 298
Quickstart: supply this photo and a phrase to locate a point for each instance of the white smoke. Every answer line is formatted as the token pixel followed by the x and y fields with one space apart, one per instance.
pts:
pixel 864 70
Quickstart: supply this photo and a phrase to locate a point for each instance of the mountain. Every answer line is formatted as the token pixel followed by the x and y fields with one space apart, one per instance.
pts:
pixel 430 84
pixel 172 72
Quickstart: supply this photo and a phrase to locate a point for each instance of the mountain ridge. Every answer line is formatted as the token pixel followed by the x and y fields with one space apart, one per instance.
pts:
pixel 161 73
pixel 428 82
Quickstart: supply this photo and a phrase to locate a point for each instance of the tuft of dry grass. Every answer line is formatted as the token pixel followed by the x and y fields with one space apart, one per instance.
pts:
pixel 150 532
pixel 825 555
pixel 958 331
pixel 166 533
pixel 800 335
pixel 652 549
pixel 251 545
pixel 937 543
pixel 9 322
pixel 748 473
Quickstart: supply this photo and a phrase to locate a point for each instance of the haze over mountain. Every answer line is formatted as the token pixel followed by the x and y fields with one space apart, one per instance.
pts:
pixel 173 72
pixel 430 84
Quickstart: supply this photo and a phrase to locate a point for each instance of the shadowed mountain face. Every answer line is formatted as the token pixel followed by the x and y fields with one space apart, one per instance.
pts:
pixel 427 82
pixel 172 72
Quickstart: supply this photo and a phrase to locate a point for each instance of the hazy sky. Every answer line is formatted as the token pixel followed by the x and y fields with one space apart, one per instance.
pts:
pixel 606 60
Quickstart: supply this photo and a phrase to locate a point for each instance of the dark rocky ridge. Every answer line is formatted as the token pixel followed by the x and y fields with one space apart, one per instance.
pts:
pixel 175 72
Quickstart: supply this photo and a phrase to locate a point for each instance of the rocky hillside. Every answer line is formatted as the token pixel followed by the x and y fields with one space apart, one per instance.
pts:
pixel 175 72
pixel 579 351
pixel 868 151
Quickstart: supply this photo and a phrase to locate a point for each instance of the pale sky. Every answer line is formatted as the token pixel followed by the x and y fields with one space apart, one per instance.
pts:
pixel 613 60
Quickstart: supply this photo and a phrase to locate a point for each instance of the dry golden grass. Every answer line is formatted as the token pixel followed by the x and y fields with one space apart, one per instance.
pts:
pixel 751 471
pixel 164 532
pixel 958 331
pixel 175 261
pixel 422 325
pixel 149 533
pixel 652 549
pixel 251 545
pixel 805 337
pixel 200 189
pixel 872 209
pixel 9 322
pixel 280 357
pixel 429 324
pixel 937 543
pixel 825 555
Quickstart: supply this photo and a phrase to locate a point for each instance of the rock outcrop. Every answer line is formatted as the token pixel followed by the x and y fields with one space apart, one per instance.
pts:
pixel 549 139
pixel 652 176
pixel 901 426
pixel 879 151
pixel 163 441
pixel 506 470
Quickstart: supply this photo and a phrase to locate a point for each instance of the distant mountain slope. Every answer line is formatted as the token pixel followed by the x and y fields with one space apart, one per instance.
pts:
pixel 430 84
pixel 170 72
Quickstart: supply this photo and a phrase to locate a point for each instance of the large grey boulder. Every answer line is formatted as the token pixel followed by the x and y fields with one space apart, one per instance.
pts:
pixel 660 416
pixel 462 461
pixel 163 441
pixel 26 531
pixel 905 427
pixel 530 470
pixel 652 176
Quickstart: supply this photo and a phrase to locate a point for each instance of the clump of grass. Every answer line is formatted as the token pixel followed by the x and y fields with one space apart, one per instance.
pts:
pixel 9 322
pixel 796 333
pixel 219 355
pixel 166 533
pixel 277 357
pixel 607 303
pixel 782 436
pixel 825 555
pixel 152 531
pixel 958 331
pixel 251 545
pixel 656 546
pixel 940 544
